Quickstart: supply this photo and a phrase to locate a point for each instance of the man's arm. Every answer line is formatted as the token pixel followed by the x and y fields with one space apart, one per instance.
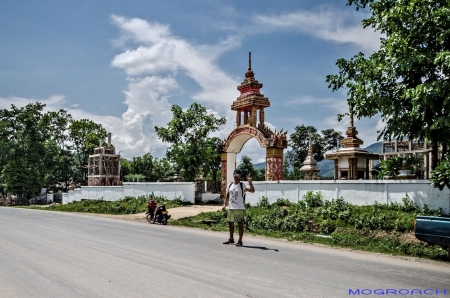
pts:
pixel 225 202
pixel 250 187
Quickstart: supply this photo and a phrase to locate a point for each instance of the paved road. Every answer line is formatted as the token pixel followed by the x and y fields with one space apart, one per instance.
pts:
pixel 51 254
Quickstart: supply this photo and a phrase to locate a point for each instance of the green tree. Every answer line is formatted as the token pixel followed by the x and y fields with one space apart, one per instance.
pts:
pixel 187 133
pixel 330 140
pixel 327 140
pixel 84 135
pixel 406 80
pixel 247 168
pixel 212 166
pixel 261 175
pixel 290 174
pixel 125 168
pixel 143 165
pixel 60 159
pixel 296 174
pixel 286 166
pixel 392 167
pixel 134 178
pixel 162 169
pixel 32 148
pixel 440 177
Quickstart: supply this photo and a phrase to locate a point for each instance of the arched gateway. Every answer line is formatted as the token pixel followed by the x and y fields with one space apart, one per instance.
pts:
pixel 251 103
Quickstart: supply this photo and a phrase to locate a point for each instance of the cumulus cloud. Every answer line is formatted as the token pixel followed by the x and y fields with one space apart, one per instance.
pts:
pixel 150 60
pixel 154 59
pixel 161 52
pixel 338 26
pixel 139 30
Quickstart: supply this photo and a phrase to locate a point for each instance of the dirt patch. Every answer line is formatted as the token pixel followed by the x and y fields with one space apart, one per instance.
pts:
pixel 408 237
pixel 193 210
pixel 177 213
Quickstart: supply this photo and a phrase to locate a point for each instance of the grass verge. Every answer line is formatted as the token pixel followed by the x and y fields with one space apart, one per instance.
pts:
pixel 127 205
pixel 377 228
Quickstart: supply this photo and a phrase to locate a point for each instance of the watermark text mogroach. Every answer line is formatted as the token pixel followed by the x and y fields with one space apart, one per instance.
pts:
pixel 397 292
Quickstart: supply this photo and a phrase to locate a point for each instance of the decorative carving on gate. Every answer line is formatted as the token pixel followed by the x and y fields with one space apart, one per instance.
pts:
pixel 266 138
pixel 274 168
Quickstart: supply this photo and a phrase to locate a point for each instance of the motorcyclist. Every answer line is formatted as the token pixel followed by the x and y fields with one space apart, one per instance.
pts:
pixel 151 207
pixel 159 211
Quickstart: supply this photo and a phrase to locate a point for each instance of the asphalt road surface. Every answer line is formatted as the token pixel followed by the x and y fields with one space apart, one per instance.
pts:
pixel 53 254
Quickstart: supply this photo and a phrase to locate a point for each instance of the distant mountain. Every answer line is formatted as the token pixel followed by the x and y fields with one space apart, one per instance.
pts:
pixel 260 165
pixel 327 166
pixel 374 148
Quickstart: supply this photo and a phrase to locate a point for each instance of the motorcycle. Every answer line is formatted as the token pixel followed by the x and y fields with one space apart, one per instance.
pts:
pixel 149 215
pixel 162 217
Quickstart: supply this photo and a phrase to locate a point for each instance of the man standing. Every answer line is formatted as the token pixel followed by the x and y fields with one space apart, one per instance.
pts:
pixel 235 200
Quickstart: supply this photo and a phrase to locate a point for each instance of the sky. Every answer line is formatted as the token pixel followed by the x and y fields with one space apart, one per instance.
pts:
pixel 125 63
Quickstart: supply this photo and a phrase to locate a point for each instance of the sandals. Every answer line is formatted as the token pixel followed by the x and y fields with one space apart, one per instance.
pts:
pixel 229 241
pixel 239 243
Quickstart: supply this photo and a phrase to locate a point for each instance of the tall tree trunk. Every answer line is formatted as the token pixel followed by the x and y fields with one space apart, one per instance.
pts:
pixel 444 151
pixel 434 154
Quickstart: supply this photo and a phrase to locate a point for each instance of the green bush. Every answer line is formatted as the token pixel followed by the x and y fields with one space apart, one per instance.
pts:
pixel 294 223
pixel 373 221
pixel 335 209
pixel 263 222
pixel 429 212
pixel 403 224
pixel 409 205
pixel 327 227
pixel 279 212
pixel 313 199
pixel 263 202
pixel 127 205
pixel 283 202
pixel 300 206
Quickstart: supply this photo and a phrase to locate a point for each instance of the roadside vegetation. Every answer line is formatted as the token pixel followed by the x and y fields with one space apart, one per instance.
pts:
pixel 127 205
pixel 384 228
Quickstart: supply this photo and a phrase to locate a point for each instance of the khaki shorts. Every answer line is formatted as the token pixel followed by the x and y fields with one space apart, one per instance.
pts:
pixel 236 215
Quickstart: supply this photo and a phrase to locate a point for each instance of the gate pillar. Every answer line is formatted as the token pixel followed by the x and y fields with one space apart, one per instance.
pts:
pixel 274 164
pixel 223 178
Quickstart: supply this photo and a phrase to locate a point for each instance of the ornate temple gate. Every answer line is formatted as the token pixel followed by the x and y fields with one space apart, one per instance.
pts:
pixel 251 104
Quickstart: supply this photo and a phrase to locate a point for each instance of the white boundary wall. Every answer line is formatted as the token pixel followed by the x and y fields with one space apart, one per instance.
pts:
pixel 357 192
pixel 171 190
pixel 49 198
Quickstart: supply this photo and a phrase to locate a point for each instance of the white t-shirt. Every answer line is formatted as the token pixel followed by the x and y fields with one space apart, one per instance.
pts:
pixel 236 199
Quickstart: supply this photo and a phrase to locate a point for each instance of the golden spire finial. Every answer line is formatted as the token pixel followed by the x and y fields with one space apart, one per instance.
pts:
pixel 310 149
pixel 250 60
